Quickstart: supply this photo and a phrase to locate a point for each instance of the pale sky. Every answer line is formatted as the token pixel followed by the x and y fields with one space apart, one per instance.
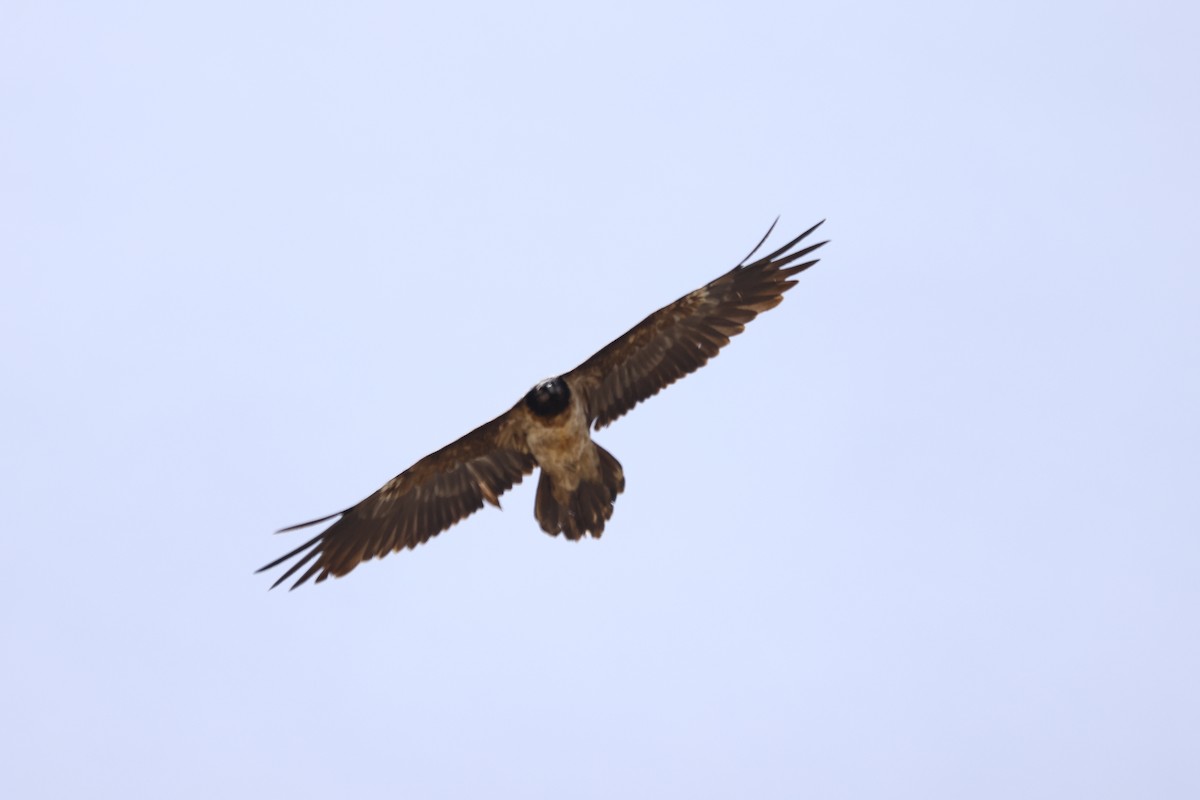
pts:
pixel 930 529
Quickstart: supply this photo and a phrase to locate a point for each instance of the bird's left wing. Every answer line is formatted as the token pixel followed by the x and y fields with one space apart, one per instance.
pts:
pixel 681 337
pixel 424 500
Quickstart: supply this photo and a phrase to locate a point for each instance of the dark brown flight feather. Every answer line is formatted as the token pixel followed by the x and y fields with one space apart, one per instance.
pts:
pixel 680 338
pixel 454 482
pixel 419 503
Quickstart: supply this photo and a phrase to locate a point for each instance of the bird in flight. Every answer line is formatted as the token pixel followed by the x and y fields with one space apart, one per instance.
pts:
pixel 550 428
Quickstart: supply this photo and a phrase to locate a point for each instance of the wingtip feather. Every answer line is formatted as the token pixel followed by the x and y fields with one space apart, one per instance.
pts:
pixel 300 525
pixel 761 242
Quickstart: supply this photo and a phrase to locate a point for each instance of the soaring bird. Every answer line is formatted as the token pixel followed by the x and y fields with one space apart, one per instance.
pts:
pixel 550 428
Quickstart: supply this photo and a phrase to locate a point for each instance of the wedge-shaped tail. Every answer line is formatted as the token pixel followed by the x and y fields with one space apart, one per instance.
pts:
pixel 585 509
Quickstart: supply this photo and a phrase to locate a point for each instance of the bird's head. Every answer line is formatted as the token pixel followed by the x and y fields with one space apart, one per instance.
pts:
pixel 549 397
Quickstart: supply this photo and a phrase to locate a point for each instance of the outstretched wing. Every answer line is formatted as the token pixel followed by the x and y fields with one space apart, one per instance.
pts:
pixel 424 500
pixel 680 338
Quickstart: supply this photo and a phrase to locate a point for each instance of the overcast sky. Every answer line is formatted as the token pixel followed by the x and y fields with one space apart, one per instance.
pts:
pixel 930 529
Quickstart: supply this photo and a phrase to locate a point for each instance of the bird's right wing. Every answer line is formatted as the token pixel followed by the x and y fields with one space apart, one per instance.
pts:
pixel 424 500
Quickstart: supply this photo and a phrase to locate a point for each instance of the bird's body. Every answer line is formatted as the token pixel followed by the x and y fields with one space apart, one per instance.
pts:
pixel 580 479
pixel 550 428
pixel 562 444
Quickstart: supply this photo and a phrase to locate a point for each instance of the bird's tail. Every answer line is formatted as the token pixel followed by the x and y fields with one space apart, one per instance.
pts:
pixel 584 510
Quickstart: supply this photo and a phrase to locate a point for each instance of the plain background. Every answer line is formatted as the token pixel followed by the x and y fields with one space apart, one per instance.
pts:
pixel 928 529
